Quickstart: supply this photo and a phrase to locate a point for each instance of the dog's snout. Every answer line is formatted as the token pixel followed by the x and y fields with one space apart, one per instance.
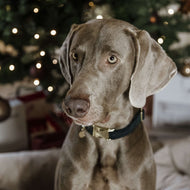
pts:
pixel 77 108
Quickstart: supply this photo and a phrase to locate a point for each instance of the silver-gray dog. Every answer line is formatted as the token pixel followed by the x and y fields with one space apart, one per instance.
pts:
pixel 111 67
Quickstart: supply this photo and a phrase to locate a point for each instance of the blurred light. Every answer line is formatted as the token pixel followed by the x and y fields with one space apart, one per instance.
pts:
pixel 14 30
pixel 53 32
pixel 163 37
pixel 54 61
pixel 36 82
pixel 50 88
pixel 42 53
pixel 91 4
pixel 99 17
pixel 160 40
pixel 36 36
pixel 187 70
pixel 11 67
pixel 165 23
pixel 61 5
pixel 0 67
pixel 8 7
pixel 36 10
pixel 153 19
pixel 38 65
pixel 170 11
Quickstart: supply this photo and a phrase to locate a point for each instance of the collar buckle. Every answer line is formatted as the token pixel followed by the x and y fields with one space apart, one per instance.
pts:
pixel 101 132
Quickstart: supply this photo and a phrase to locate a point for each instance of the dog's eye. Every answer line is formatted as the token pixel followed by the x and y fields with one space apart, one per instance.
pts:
pixel 75 56
pixel 112 59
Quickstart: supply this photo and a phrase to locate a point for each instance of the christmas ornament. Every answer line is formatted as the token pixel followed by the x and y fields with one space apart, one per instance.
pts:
pixel 5 109
pixel 153 19
pixel 91 4
pixel 185 70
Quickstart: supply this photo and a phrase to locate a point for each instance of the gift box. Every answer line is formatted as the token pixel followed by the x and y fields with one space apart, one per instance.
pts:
pixel 36 105
pixel 47 128
pixel 13 131
pixel 46 141
pixel 54 133
pixel 36 108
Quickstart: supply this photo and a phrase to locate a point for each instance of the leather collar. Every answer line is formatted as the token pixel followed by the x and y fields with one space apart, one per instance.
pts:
pixel 111 134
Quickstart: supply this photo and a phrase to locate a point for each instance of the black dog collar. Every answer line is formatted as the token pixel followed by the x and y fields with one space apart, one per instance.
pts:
pixel 112 134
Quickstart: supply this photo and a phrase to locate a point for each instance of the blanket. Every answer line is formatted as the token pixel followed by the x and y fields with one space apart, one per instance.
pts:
pixel 28 170
pixel 173 166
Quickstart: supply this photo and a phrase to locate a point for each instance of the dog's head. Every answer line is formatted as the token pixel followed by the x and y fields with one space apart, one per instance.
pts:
pixel 105 59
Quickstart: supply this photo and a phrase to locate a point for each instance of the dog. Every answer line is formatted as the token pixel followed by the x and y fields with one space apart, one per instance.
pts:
pixel 111 67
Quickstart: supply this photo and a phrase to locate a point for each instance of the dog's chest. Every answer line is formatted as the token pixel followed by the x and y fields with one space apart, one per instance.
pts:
pixel 108 151
pixel 106 169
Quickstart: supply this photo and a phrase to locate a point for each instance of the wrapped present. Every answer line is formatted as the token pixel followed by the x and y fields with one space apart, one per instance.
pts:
pixel 36 127
pixel 36 105
pixel 47 128
pixel 36 108
pixel 54 133
pixel 46 141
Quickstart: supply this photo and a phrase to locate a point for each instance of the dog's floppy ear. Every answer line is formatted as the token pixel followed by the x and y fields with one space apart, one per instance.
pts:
pixel 64 61
pixel 152 71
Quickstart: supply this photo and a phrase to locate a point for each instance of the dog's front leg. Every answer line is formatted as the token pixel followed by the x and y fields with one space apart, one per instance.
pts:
pixel 148 178
pixel 76 164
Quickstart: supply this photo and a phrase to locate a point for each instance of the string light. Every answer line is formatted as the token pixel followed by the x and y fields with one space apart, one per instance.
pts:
pixel 14 30
pixel 54 61
pixel 53 32
pixel 91 4
pixel 187 70
pixel 11 67
pixel 99 17
pixel 170 11
pixel 36 82
pixel 160 40
pixel 36 36
pixel 38 65
pixel 50 88
pixel 42 53
pixel 35 10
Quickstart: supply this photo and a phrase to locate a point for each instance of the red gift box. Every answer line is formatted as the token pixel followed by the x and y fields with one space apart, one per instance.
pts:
pixel 54 134
pixel 36 105
pixel 45 128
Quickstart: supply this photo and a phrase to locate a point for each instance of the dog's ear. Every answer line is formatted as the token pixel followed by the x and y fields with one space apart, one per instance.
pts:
pixel 64 60
pixel 152 71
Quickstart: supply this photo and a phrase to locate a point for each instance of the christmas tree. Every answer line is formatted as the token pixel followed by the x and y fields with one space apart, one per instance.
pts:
pixel 31 32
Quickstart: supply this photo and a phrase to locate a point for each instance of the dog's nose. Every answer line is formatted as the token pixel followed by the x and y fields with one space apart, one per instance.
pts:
pixel 76 107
